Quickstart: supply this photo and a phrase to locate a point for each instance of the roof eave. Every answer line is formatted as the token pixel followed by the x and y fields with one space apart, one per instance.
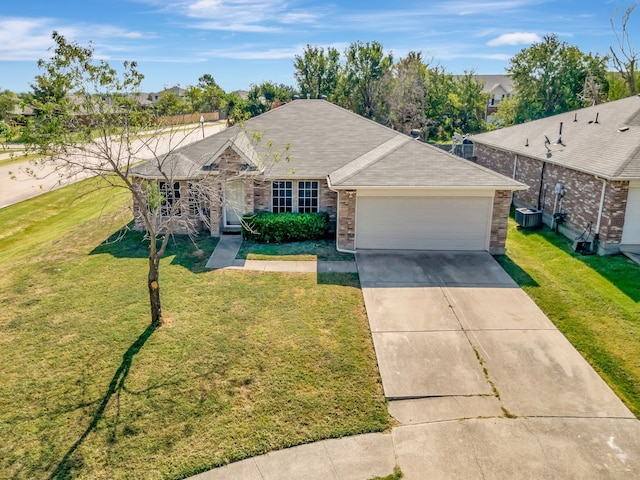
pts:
pixel 520 186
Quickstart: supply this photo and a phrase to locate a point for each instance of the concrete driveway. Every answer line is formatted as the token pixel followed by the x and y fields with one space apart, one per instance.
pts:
pixel 484 384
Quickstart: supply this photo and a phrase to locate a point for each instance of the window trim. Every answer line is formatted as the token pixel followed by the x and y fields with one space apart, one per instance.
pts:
pixel 170 196
pixel 282 192
pixel 306 195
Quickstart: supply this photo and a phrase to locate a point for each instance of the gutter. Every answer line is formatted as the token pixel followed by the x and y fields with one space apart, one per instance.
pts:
pixel 559 164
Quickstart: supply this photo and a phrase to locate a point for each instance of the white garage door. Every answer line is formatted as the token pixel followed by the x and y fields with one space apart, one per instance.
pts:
pixel 631 229
pixel 423 223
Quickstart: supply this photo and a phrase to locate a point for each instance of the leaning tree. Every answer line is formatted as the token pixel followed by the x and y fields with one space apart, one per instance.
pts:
pixel 90 122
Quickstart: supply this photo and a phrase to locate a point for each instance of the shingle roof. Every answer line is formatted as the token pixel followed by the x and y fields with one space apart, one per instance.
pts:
pixel 608 147
pixel 326 140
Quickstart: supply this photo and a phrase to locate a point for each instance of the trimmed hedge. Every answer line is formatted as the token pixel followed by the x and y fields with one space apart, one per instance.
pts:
pixel 267 227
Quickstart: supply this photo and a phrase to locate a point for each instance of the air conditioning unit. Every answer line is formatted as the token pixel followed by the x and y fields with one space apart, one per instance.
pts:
pixel 529 217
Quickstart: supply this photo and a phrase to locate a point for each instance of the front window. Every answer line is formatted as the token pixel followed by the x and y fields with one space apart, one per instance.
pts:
pixel 170 196
pixel 282 197
pixel 307 197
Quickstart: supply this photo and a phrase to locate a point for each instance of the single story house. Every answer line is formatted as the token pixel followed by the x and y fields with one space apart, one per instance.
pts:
pixel 582 168
pixel 382 189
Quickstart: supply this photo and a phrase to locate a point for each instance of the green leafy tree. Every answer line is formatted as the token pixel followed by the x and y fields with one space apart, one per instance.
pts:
pixel 194 96
pixel 467 104
pixel 265 96
pixel 366 65
pixel 170 103
pixel 103 131
pixel 407 94
pixel 8 101
pixel 237 109
pixel 317 72
pixel 618 87
pixel 213 96
pixel 549 77
pixel 506 113
pixel 437 112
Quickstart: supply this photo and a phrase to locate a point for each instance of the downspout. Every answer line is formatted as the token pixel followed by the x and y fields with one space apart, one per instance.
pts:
pixel 341 250
pixel 601 207
pixel 540 199
pixel 515 169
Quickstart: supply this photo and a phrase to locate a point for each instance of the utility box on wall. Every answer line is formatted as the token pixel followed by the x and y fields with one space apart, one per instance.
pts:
pixel 529 217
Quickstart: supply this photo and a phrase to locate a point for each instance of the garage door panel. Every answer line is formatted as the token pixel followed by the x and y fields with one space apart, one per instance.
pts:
pixel 631 229
pixel 415 223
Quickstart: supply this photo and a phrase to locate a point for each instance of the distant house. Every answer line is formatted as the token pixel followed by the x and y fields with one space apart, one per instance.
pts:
pixel 497 88
pixel 244 94
pixel 155 96
pixel 582 167
pixel 382 189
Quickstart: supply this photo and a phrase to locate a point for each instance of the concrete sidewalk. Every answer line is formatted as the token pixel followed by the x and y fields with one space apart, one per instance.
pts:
pixel 361 457
pixel 224 257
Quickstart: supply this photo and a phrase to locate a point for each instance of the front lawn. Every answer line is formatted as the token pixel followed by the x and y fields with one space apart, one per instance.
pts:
pixel 594 301
pixel 248 362
pixel 323 250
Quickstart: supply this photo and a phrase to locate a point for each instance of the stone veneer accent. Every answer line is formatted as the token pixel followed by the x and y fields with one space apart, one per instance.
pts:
pixel 581 201
pixel 499 222
pixel 346 229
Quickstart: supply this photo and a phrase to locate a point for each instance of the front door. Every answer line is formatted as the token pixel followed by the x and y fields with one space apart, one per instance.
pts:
pixel 233 203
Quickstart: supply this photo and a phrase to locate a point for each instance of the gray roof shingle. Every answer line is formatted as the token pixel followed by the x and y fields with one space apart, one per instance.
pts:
pixel 609 148
pixel 326 140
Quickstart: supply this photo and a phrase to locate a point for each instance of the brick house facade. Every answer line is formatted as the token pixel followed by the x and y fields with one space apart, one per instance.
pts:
pixel 327 158
pixel 581 199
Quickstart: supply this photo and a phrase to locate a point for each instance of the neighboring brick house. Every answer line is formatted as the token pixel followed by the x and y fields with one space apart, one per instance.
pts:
pixel 381 188
pixel 583 164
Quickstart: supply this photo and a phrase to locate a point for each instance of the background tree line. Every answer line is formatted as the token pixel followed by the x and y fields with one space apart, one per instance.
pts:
pixel 410 93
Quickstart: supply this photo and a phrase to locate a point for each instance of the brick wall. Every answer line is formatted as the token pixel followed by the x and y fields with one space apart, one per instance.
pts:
pixel 615 204
pixel 581 201
pixel 346 228
pixel 500 214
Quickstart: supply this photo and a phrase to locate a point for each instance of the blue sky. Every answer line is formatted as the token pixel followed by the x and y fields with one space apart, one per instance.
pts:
pixel 241 42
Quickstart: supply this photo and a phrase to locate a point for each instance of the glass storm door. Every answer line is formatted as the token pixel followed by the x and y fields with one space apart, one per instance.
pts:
pixel 233 202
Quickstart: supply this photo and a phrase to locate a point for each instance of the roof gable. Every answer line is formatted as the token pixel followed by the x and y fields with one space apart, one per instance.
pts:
pixel 240 144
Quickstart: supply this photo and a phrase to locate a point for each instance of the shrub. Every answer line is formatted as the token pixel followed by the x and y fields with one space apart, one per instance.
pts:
pixel 267 227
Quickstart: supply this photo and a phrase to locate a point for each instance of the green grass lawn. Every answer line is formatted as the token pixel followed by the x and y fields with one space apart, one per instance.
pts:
pixel 594 301
pixel 323 250
pixel 248 362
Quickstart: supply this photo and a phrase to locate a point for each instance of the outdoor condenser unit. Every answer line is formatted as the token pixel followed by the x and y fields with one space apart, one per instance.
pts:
pixel 529 217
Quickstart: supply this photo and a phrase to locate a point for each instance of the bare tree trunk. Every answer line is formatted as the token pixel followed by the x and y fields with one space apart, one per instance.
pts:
pixel 154 291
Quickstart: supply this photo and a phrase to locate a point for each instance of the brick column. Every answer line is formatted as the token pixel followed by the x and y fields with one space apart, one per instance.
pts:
pixel 347 220
pixel 499 222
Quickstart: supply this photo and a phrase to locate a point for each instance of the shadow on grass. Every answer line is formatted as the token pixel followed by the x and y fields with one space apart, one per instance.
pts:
pixel 64 469
pixel 321 250
pixel 520 276
pixel 617 269
pixel 190 253
pixel 337 278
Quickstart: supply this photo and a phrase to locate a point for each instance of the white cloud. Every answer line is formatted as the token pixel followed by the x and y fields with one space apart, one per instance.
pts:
pixel 248 53
pixel 22 38
pixel 29 39
pixel 516 38
pixel 256 16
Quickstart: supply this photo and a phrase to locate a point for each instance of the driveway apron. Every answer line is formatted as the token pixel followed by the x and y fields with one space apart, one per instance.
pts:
pixel 480 378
